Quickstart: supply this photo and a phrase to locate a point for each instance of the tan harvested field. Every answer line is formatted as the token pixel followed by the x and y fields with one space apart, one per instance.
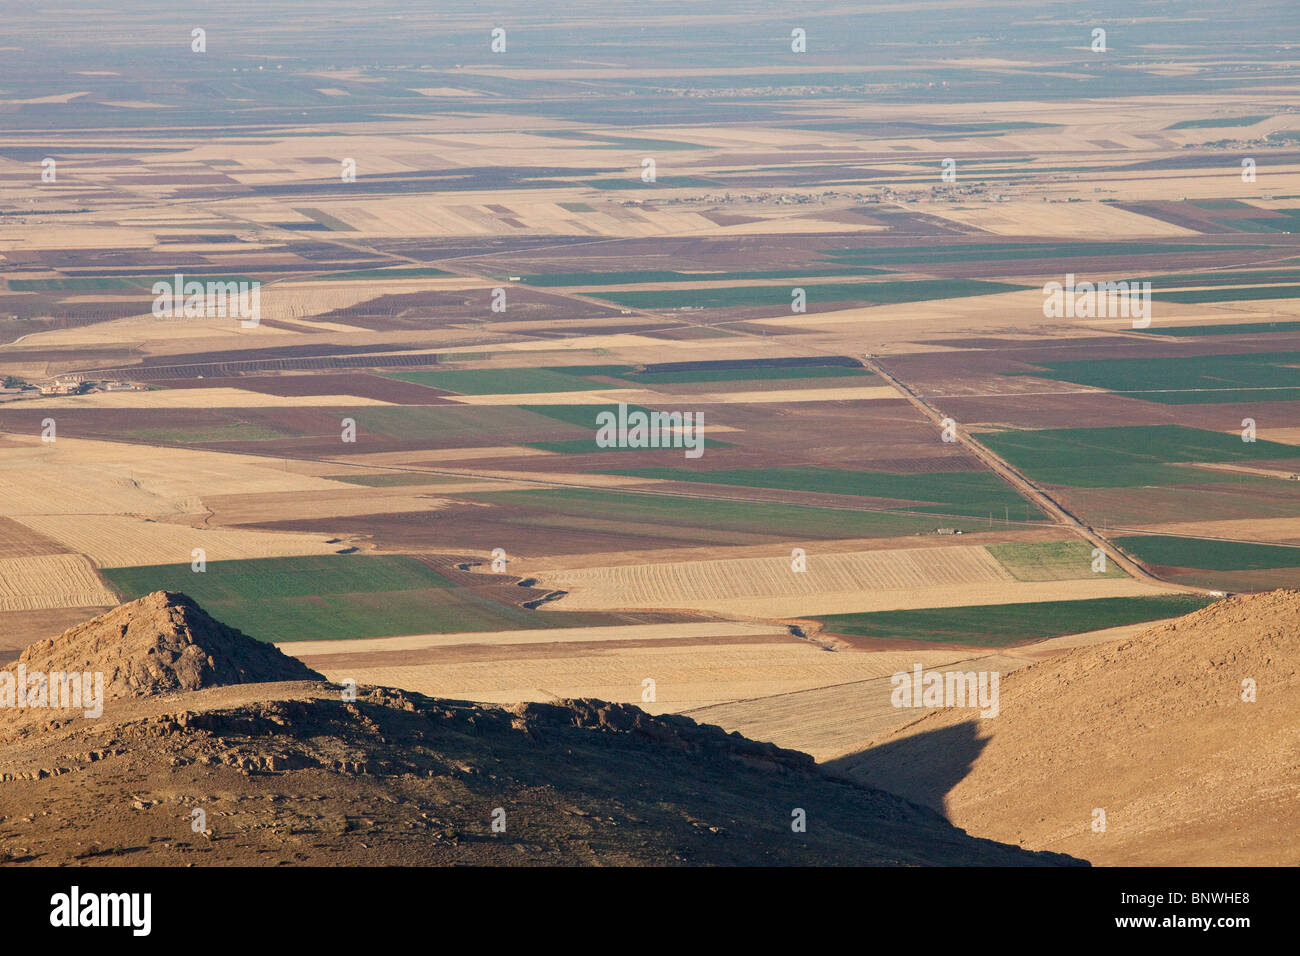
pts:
pixel 836 720
pixel 764 687
pixel 79 476
pixel 465 214
pixel 1268 530
pixel 1289 435
pixel 1085 220
pixel 844 719
pixel 338 502
pixel 915 327
pixel 1264 469
pixel 847 602
pixel 874 580
pixel 687 672
pixel 364 647
pixel 76 237
pixel 158 337
pixel 51 581
pixel 704 583
pixel 119 541
pixel 534 564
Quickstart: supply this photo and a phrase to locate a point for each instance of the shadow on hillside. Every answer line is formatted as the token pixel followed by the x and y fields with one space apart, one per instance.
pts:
pixel 921 768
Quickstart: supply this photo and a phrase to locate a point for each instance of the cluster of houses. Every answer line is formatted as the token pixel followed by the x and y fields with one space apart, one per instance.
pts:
pixel 64 385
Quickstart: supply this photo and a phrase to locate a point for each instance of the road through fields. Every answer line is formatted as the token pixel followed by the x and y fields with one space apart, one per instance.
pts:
pixel 1045 502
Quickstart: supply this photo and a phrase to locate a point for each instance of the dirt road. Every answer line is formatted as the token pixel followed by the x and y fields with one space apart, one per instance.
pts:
pixel 1045 502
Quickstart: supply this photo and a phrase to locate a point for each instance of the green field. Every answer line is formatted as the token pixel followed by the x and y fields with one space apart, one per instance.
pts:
pixel 1052 451
pixel 1219 396
pixel 328 597
pixel 212 433
pixel 1235 293
pixel 642 513
pixel 1194 379
pixel 757 373
pixel 1050 560
pixel 1208 555
pixel 971 493
pixel 1000 625
pixel 1244 328
pixel 1135 474
pixel 104 283
pixel 512 381
pixel 920 290
pixel 580 416
pixel 437 425
pixel 1207 279
pixel 640 276
pixel 1217 122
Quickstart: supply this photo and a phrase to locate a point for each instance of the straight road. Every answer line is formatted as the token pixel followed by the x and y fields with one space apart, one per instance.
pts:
pixel 1045 502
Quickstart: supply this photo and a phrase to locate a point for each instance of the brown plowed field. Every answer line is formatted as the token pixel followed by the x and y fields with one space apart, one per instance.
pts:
pixel 19 541
pixel 1221 502
pixel 435 309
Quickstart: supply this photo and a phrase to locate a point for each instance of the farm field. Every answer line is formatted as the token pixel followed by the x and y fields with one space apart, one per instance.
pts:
pixel 713 519
pixel 334 597
pixel 703 582
pixel 115 541
pixel 1209 554
pixel 1264 376
pixel 1050 561
pixel 724 584
pixel 687 671
pixel 843 718
pixel 1069 448
pixel 1008 625
pixel 735 296
pixel 40 582
pixel 1279 530
pixel 970 494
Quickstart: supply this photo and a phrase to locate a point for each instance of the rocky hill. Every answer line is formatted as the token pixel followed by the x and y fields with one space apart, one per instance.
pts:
pixel 1185 737
pixel 213 748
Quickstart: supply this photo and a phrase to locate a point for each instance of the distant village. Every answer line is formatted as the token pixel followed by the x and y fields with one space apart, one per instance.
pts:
pixel 883 194
pixel 12 388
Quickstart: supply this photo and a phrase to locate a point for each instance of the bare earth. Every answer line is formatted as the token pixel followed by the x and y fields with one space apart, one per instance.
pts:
pixel 1150 729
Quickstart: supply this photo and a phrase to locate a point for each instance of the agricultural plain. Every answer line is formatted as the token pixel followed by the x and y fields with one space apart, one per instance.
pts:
pixel 653 359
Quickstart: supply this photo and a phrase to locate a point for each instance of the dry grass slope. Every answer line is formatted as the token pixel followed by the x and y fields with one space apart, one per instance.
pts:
pixel 1151 729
